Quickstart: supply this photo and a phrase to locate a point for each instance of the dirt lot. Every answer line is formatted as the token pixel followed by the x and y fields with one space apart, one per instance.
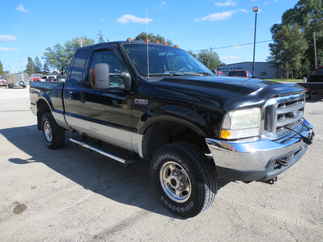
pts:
pixel 75 195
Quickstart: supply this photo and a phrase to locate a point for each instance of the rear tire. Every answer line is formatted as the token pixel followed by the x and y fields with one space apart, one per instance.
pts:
pixel 53 135
pixel 184 181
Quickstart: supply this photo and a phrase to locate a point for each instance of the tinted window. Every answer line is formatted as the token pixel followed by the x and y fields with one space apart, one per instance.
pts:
pixel 78 66
pixel 113 65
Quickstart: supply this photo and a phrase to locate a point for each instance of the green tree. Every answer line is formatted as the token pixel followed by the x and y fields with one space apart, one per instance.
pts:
pixel 308 15
pixel 46 68
pixel 288 49
pixel 209 58
pixel 30 67
pixel 155 38
pixel 38 65
pixel 59 56
pixel 1 69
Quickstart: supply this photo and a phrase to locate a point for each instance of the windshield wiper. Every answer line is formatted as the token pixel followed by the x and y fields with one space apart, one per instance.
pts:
pixel 160 74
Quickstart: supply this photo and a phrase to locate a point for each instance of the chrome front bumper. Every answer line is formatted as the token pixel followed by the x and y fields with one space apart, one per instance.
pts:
pixel 262 159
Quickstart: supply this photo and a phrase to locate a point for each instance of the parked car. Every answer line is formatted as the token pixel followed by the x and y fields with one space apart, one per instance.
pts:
pixel 51 78
pixel 219 73
pixel 316 76
pixel 36 77
pixel 18 84
pixel 175 114
pixel 240 73
pixel 3 82
pixel 314 83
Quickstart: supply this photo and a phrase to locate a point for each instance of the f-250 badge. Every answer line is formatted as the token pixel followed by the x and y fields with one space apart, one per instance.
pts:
pixel 139 101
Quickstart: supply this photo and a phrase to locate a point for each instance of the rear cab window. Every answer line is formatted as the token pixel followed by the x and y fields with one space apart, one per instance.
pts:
pixel 78 66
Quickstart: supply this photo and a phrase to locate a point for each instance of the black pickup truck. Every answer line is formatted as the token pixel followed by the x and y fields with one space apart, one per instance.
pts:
pixel 156 103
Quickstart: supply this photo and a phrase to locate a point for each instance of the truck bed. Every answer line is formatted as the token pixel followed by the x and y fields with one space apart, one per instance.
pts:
pixel 51 92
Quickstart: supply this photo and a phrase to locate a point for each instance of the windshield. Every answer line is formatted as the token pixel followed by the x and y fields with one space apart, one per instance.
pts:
pixel 164 61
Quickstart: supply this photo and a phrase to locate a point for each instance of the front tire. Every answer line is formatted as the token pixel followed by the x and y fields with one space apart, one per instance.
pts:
pixel 184 181
pixel 53 135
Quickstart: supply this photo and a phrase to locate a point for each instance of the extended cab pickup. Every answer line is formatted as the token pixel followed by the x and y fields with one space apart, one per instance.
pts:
pixel 157 103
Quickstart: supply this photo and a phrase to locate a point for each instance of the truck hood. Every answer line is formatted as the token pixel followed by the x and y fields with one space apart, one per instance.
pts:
pixel 225 93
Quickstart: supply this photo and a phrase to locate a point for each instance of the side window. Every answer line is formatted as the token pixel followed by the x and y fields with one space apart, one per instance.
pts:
pixel 112 67
pixel 78 66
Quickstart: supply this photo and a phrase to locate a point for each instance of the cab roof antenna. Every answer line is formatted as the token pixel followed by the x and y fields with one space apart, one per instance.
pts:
pixel 147 44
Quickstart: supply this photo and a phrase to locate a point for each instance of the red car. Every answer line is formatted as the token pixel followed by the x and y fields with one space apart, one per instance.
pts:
pixel 36 77
pixel 240 73
pixel 3 82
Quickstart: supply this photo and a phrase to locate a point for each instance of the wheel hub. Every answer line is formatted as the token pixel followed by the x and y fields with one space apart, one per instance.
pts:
pixel 48 131
pixel 175 182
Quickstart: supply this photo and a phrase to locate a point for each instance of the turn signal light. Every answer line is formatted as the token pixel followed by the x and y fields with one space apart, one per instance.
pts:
pixel 225 134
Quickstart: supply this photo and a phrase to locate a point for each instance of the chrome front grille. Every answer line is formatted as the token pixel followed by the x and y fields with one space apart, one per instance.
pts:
pixel 282 112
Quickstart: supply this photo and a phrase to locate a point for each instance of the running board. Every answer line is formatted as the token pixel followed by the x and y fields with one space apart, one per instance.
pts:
pixel 104 153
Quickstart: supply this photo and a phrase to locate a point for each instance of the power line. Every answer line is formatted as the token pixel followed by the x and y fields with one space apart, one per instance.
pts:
pixel 235 45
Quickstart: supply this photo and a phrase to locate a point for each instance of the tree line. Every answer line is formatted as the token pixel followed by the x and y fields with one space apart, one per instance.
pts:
pixel 1 69
pixel 59 56
pixel 36 66
pixel 3 73
pixel 292 50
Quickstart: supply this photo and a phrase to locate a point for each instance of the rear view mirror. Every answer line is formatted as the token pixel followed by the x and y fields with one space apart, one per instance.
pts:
pixel 102 77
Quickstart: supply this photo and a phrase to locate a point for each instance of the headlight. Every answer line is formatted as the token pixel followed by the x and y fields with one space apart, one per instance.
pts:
pixel 241 124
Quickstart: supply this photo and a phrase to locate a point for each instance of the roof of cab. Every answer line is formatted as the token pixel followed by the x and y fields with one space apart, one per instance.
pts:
pixel 105 44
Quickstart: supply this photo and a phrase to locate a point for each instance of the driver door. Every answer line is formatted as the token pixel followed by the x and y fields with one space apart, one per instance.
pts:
pixel 105 106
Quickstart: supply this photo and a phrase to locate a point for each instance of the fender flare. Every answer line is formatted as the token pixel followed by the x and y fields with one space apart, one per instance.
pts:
pixel 46 99
pixel 48 103
pixel 168 118
pixel 146 135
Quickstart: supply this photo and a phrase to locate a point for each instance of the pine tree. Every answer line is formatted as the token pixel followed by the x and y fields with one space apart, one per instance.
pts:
pixel 30 67
pixel 46 68
pixel 38 65
pixel 1 69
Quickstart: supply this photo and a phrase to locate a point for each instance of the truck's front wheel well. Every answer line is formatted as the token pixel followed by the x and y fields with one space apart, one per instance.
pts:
pixel 42 107
pixel 163 133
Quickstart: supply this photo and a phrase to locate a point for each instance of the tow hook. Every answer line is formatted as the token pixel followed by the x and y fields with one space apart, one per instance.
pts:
pixel 271 181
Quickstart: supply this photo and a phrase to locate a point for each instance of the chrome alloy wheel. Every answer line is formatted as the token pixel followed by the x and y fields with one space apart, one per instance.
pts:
pixel 48 131
pixel 175 182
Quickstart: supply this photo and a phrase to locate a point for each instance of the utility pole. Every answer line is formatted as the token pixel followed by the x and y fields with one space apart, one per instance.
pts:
pixel 315 50
pixel 255 10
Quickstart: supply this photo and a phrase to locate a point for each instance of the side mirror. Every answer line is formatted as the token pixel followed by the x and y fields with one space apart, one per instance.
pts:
pixel 126 77
pixel 102 76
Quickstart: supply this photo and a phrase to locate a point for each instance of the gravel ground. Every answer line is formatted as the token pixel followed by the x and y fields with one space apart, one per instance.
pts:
pixel 75 195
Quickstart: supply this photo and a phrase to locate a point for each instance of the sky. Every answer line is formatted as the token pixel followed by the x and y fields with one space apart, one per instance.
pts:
pixel 28 27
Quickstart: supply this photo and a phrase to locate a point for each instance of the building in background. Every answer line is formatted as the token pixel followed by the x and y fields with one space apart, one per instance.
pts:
pixel 265 70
